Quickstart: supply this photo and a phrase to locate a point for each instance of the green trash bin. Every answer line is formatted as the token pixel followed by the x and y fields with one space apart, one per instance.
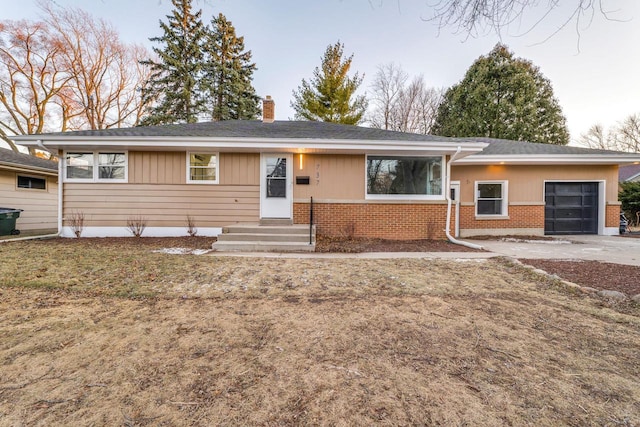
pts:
pixel 8 218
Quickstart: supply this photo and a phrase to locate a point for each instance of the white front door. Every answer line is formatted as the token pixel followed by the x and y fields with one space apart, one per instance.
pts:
pixel 276 187
pixel 455 196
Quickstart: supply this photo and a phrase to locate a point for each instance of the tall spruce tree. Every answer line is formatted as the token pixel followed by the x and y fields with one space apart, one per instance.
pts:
pixel 228 74
pixel 505 97
pixel 330 95
pixel 174 88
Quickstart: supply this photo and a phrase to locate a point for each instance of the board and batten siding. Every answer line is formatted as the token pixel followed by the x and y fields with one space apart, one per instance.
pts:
pixel 157 191
pixel 331 177
pixel 40 207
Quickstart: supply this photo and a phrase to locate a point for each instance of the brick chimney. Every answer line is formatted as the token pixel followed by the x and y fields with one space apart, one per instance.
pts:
pixel 268 110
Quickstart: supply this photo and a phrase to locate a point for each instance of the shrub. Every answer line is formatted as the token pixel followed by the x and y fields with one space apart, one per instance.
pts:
pixel 136 225
pixel 630 198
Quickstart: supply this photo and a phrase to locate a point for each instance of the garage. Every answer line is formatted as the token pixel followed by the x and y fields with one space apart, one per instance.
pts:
pixel 571 208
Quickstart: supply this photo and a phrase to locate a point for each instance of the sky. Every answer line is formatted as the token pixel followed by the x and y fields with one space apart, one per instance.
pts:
pixel 595 76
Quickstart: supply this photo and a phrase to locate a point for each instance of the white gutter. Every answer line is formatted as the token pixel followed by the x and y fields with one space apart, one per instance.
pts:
pixel 447 194
pixel 42 147
pixel 294 145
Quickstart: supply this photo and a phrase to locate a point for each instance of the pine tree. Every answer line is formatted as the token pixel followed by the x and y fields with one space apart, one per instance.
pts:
pixel 330 95
pixel 502 97
pixel 228 74
pixel 174 87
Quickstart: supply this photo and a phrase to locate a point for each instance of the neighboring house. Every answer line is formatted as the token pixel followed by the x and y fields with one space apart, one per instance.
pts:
pixel 629 173
pixel 31 184
pixel 363 181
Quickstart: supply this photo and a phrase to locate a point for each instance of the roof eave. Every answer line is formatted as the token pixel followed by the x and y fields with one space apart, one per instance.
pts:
pixel 551 159
pixel 297 145
pixel 28 169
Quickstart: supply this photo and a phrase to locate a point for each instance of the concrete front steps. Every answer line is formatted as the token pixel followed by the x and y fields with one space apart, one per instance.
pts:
pixel 268 236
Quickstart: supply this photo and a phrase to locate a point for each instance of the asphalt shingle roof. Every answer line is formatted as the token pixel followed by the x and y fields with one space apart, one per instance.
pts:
pixel 629 171
pixel 283 129
pixel 19 159
pixel 498 147
pixel 257 129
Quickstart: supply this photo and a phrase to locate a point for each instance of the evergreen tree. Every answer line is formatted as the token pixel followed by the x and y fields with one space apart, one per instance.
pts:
pixel 629 195
pixel 174 87
pixel 228 74
pixel 502 97
pixel 330 95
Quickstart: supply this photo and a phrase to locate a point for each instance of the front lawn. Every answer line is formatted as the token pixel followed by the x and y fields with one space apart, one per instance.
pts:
pixel 109 332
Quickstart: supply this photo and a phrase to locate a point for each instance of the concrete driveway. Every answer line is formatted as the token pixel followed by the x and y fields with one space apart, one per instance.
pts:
pixel 619 250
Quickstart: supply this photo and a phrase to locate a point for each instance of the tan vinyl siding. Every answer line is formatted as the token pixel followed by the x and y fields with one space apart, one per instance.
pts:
pixel 335 177
pixel 526 182
pixel 157 190
pixel 157 167
pixel 162 205
pixel 239 169
pixel 40 206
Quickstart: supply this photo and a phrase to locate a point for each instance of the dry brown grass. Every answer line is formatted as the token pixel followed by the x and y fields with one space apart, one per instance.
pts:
pixel 109 333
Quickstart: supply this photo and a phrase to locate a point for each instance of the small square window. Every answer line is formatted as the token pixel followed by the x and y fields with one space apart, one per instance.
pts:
pixel 111 165
pixel 79 165
pixel 32 183
pixel 491 198
pixel 202 168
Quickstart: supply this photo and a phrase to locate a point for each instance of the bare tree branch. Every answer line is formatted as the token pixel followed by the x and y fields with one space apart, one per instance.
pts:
pixel 31 76
pixel 107 76
pixel 625 136
pixel 402 107
pixel 476 17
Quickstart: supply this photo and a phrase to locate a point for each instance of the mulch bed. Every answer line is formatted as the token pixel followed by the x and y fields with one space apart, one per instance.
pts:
pixel 357 245
pixel 594 274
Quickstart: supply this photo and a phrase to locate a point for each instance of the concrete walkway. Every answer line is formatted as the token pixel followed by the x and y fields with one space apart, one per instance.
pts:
pixel 614 249
pixel 360 255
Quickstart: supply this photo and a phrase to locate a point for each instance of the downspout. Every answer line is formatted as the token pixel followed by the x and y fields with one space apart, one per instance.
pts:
pixel 42 147
pixel 447 194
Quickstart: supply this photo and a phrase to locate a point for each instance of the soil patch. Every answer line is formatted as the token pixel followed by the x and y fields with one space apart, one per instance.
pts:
pixel 357 245
pixel 594 274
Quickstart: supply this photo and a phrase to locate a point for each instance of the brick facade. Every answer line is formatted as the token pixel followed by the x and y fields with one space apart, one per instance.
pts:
pixel 526 216
pixel 612 216
pixel 381 220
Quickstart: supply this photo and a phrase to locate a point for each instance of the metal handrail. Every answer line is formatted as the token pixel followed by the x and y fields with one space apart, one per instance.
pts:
pixel 311 221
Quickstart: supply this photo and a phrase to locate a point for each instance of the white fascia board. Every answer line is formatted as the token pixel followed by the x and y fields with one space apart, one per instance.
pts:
pixel 551 159
pixel 299 145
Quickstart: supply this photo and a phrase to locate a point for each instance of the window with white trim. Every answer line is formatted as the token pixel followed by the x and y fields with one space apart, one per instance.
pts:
pixel 111 166
pixel 96 166
pixel 202 168
pixel 404 177
pixel 491 198
pixel 31 182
